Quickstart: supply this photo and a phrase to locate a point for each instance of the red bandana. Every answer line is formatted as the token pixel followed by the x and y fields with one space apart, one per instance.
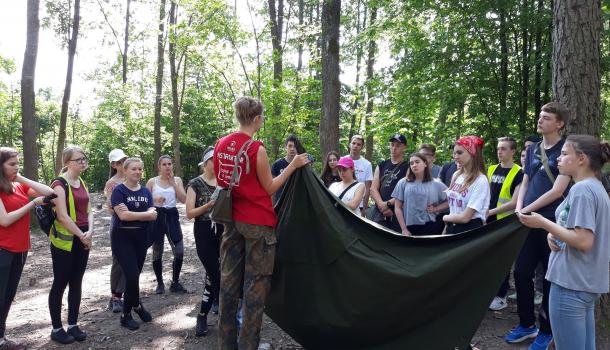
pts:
pixel 470 143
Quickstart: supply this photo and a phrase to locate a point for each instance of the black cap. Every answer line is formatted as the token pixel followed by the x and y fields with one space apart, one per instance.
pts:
pixel 398 137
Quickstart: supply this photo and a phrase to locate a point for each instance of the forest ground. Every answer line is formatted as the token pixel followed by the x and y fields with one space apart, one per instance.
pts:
pixel 174 314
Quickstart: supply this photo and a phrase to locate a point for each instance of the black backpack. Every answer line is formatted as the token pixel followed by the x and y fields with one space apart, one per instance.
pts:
pixel 45 213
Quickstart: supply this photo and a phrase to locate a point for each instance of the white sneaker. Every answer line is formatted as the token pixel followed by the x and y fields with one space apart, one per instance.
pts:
pixel 498 304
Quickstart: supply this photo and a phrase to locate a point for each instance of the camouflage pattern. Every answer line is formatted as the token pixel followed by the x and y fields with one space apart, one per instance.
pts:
pixel 247 254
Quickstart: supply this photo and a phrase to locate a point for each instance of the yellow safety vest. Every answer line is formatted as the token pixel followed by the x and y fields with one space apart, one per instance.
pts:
pixel 59 236
pixel 505 195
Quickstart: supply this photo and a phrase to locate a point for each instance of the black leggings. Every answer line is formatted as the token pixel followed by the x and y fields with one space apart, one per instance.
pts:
pixel 207 242
pixel 68 271
pixel 11 266
pixel 129 247
pixel 167 224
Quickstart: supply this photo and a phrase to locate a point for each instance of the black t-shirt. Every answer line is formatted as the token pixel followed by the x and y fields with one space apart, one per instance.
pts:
pixel 447 172
pixel 495 186
pixel 389 174
pixel 276 169
pixel 136 201
pixel 203 194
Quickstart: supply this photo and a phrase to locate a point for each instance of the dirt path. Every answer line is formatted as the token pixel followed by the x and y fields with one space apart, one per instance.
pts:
pixel 174 315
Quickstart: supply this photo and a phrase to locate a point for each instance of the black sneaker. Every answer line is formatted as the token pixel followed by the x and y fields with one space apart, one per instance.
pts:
pixel 160 288
pixel 62 337
pixel 176 287
pixel 128 322
pixel 116 305
pixel 77 333
pixel 201 328
pixel 144 315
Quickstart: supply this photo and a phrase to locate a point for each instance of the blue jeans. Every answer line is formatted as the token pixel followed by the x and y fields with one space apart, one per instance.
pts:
pixel 572 318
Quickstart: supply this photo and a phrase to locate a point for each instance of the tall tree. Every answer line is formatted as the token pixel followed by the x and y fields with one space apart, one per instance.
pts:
pixel 331 86
pixel 173 19
pixel 29 122
pixel 65 103
pixel 370 88
pixel 159 82
pixel 576 62
pixel 276 17
pixel 126 41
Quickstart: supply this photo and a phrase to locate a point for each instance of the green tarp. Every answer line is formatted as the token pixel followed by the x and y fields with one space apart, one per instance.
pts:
pixel 341 282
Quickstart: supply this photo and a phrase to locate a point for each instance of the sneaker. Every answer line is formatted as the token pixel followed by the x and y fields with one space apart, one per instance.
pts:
pixel 11 345
pixel 215 307
pixel 62 337
pixel 144 315
pixel 538 298
pixel 520 333
pixel 116 305
pixel 160 288
pixel 128 322
pixel 498 304
pixel 77 333
pixel 201 328
pixel 542 342
pixel 176 287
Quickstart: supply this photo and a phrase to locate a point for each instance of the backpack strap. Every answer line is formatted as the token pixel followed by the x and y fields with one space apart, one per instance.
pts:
pixel 545 162
pixel 243 150
pixel 347 189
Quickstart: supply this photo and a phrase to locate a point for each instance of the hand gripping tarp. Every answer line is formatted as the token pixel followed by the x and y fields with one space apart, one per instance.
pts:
pixel 341 282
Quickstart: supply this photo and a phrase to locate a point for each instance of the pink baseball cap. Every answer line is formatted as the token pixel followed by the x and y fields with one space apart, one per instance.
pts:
pixel 346 162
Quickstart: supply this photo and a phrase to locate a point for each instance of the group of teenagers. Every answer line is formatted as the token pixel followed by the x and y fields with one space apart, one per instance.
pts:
pixel 557 193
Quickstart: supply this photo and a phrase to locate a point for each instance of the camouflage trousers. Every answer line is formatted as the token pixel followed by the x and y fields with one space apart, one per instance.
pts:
pixel 247 254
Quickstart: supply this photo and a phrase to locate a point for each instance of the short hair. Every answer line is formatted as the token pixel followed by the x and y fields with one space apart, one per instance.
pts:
pixel 533 138
pixel 428 147
pixel 560 111
pixel 359 137
pixel 246 109
pixel 509 139
pixel 291 138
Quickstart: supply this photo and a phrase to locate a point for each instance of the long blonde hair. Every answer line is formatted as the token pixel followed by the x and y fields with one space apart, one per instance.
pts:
pixel 67 154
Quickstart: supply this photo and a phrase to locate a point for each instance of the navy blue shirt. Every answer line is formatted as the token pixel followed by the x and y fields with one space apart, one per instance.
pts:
pixel 276 169
pixel 136 201
pixel 539 182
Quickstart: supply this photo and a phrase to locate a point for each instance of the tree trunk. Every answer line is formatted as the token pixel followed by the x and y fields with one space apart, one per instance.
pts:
pixel 576 63
pixel 174 81
pixel 538 63
pixel 331 86
pixel 276 17
pixel 159 83
pixel 126 42
pixel 503 66
pixel 370 89
pixel 525 69
pixel 359 54
pixel 29 121
pixel 65 103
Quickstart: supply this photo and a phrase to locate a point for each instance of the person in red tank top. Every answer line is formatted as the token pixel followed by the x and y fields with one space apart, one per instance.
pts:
pixel 15 206
pixel 247 249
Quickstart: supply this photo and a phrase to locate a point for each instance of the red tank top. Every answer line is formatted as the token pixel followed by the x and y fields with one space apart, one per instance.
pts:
pixel 16 237
pixel 251 203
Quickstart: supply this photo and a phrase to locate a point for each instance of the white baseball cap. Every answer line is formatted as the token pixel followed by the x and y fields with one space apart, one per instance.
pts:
pixel 116 154
pixel 207 154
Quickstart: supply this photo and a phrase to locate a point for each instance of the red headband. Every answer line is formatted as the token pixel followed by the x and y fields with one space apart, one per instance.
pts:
pixel 470 143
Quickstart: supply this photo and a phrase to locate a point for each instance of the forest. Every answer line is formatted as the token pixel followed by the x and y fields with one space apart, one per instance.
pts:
pixel 167 72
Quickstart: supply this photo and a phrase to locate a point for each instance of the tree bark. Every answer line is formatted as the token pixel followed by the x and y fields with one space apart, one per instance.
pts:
pixel 370 89
pixel 173 14
pixel 576 62
pixel 126 42
pixel 538 62
pixel 65 103
pixel 159 83
pixel 525 69
pixel 29 120
pixel 331 86
pixel 276 17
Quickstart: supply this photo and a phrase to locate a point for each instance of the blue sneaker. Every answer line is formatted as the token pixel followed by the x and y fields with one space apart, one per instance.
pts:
pixel 542 342
pixel 520 333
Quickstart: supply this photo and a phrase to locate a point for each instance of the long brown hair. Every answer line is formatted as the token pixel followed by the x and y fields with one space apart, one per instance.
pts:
pixel 6 153
pixel 327 172
pixel 427 173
